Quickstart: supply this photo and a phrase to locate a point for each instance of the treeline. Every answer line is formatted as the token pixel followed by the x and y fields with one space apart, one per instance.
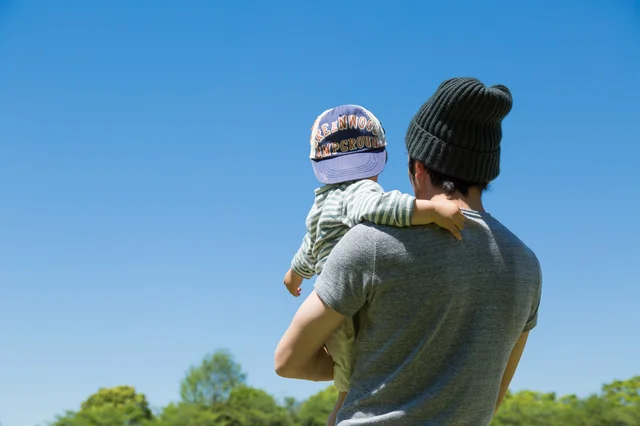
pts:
pixel 215 393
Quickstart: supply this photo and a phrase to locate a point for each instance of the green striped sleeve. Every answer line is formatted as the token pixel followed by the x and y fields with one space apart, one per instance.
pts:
pixel 367 201
pixel 304 263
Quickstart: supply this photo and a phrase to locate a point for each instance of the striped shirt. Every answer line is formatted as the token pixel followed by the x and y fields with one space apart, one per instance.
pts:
pixel 339 207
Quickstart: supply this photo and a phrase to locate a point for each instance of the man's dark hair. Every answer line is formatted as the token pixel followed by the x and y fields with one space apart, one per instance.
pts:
pixel 447 184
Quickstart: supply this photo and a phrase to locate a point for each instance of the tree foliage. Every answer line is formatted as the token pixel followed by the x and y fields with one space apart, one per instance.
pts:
pixel 315 410
pixel 213 380
pixel 215 394
pixel 618 404
pixel 120 405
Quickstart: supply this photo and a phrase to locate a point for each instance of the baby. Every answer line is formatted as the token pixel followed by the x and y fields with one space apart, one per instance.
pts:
pixel 348 152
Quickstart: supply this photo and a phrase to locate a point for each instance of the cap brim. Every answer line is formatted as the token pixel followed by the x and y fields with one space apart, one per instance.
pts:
pixel 346 168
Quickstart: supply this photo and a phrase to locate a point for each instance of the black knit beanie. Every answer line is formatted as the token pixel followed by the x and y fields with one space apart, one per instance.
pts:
pixel 457 132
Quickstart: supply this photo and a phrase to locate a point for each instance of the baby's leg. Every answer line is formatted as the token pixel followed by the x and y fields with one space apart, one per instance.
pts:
pixel 340 347
pixel 334 414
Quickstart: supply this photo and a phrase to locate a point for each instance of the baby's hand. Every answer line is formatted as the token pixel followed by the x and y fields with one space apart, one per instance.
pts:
pixel 448 215
pixel 293 282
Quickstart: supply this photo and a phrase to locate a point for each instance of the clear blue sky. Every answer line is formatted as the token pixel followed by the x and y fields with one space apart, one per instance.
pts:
pixel 154 176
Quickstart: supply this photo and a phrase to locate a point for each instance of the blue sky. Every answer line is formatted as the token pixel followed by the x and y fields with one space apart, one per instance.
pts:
pixel 154 176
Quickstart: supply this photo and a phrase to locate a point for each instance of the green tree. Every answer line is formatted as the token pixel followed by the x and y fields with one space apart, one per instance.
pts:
pixel 623 393
pixel 213 380
pixel 259 408
pixel 106 417
pixel 617 405
pixel 293 407
pixel 315 410
pixel 245 407
pixel 124 398
pixel 527 408
pixel 117 406
pixel 187 415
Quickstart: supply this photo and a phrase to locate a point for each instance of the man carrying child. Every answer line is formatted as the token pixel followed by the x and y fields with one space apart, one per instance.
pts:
pixel 441 322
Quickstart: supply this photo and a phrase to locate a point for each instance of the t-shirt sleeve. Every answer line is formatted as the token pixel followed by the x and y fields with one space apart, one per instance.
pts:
pixel 346 278
pixel 533 317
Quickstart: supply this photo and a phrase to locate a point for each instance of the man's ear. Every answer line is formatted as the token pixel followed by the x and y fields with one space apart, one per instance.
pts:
pixel 420 172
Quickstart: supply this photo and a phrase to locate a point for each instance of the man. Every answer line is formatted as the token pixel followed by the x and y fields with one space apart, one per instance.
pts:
pixel 441 323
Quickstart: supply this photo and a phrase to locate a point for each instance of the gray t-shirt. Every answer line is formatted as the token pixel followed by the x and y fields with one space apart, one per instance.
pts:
pixel 437 318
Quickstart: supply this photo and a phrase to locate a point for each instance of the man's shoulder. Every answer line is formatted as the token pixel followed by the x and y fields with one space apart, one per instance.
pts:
pixel 363 236
pixel 502 232
pixel 382 235
pixel 481 230
pixel 364 231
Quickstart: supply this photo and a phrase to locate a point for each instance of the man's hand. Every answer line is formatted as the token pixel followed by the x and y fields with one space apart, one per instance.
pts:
pixel 293 282
pixel 447 215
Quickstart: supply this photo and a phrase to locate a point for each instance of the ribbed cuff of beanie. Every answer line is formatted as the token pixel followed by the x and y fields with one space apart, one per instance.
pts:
pixel 451 160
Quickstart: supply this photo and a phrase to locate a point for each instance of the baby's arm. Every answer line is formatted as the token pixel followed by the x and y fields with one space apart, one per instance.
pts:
pixel 445 214
pixel 302 266
pixel 367 201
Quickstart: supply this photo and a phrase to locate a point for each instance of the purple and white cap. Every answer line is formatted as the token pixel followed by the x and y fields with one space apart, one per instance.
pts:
pixel 347 143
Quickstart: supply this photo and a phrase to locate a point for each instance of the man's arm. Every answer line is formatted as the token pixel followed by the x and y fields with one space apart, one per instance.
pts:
pixel 512 365
pixel 516 352
pixel 340 291
pixel 301 353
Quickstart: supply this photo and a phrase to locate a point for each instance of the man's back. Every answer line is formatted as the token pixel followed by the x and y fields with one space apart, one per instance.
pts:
pixel 439 320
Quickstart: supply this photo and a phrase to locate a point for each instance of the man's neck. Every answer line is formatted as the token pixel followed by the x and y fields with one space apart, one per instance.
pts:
pixel 473 200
